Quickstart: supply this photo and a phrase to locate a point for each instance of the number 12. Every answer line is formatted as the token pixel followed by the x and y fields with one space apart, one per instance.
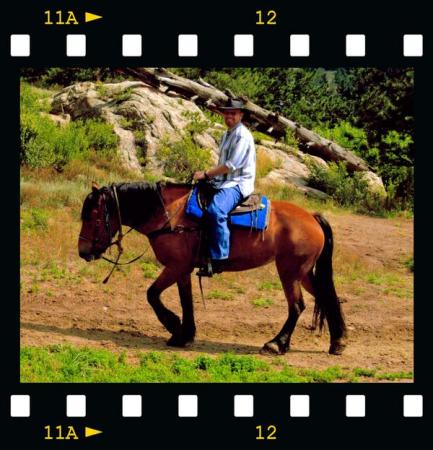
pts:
pixel 271 429
pixel 271 15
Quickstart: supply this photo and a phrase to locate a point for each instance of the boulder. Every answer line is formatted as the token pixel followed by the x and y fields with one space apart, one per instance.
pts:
pixel 133 109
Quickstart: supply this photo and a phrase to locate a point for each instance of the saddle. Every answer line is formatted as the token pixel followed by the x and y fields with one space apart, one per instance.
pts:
pixel 249 204
pixel 253 213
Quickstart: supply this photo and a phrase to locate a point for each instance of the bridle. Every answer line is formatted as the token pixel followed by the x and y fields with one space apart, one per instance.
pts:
pixel 118 242
pixel 106 223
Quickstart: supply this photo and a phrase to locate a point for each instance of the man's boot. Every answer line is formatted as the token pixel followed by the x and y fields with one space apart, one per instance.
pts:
pixel 205 270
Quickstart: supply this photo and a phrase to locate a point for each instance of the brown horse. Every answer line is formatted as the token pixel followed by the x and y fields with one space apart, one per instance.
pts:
pixel 300 243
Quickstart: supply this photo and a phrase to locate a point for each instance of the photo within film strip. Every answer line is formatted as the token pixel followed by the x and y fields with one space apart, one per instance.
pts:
pixel 323 389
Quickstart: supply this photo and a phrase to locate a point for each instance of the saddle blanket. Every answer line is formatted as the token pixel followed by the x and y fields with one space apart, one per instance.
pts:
pixel 257 220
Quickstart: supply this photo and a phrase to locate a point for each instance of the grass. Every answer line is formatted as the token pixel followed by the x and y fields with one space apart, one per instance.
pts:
pixel 262 302
pixel 237 289
pixel 150 269
pixel 34 219
pixel 259 136
pixel 265 164
pixel 67 364
pixel 279 191
pixel 394 376
pixel 220 295
pixel 410 264
pixel 269 285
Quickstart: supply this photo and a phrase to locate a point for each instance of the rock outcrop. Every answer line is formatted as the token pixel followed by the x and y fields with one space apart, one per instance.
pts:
pixel 142 116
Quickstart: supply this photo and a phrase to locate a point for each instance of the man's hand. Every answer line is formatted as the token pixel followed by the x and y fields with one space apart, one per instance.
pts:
pixel 199 175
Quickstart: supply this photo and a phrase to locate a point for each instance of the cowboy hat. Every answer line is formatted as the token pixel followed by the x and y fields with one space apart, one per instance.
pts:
pixel 233 104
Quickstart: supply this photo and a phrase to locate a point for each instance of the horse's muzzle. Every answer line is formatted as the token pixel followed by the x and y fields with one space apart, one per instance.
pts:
pixel 89 256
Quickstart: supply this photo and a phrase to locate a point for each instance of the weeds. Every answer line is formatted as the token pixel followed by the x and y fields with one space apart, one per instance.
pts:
pixel 269 285
pixel 150 270
pixel 262 302
pixel 34 220
pixel 66 364
pixel 182 158
pixel 220 295
pixel 265 164
pixel 346 190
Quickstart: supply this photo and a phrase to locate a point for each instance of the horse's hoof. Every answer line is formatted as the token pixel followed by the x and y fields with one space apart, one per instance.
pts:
pixel 271 348
pixel 336 348
pixel 176 341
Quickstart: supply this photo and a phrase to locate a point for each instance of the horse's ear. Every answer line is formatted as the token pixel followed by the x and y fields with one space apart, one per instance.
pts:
pixel 95 186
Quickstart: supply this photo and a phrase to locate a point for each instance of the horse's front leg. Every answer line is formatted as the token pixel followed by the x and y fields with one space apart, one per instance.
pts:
pixel 170 320
pixel 188 325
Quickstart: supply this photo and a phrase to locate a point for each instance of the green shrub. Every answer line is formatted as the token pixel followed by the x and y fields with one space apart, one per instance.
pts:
pixel 100 135
pixel 43 143
pixel 126 123
pixel 36 140
pixel 123 96
pixel 102 90
pixel 196 123
pixel 211 116
pixel 290 138
pixel 259 136
pixel 33 100
pixel 141 146
pixel 346 190
pixel 390 157
pixel 182 158
pixel 346 135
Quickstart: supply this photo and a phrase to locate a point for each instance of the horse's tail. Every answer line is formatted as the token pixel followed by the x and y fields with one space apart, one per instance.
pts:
pixel 327 303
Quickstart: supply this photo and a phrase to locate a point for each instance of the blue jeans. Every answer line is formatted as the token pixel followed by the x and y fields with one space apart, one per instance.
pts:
pixel 218 211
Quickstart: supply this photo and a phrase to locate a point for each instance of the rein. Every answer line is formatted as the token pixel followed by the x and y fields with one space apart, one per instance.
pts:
pixel 163 230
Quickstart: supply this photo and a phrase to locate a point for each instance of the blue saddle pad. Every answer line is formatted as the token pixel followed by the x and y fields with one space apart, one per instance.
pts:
pixel 257 220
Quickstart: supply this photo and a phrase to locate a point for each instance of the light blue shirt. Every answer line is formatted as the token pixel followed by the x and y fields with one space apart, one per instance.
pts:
pixel 238 153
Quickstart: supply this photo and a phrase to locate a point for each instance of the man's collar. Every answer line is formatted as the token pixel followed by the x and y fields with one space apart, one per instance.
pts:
pixel 234 128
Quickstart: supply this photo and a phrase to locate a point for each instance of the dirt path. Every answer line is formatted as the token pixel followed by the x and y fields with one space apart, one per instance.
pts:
pixel 370 274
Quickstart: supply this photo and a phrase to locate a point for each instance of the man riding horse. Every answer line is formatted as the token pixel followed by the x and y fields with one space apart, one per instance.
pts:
pixel 232 180
pixel 300 243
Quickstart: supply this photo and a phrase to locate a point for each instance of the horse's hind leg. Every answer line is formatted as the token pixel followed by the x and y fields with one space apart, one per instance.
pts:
pixel 187 333
pixel 170 320
pixel 280 344
pixel 307 283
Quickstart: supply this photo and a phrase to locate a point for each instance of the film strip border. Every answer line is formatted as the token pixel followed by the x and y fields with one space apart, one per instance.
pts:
pixel 188 406
pixel 243 45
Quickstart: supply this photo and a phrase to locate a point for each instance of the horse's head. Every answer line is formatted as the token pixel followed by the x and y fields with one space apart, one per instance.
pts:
pixel 99 223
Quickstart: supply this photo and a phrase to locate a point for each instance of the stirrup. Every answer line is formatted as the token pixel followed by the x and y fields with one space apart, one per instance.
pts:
pixel 205 270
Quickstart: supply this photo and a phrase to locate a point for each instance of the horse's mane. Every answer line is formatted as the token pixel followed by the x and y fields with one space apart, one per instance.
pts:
pixel 138 200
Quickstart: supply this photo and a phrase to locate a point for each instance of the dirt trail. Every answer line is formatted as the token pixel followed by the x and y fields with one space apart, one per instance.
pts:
pixel 379 312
